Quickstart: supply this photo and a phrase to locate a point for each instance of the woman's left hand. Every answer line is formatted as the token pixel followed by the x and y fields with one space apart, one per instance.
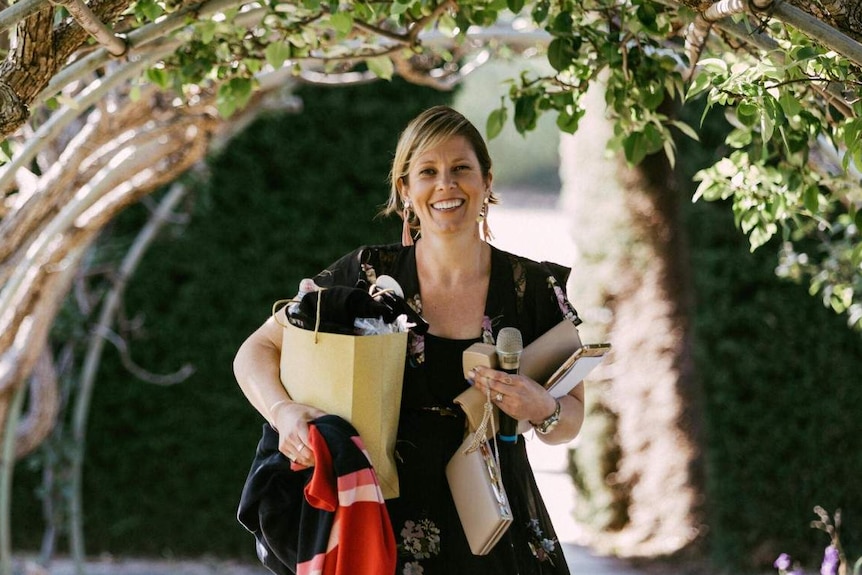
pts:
pixel 517 395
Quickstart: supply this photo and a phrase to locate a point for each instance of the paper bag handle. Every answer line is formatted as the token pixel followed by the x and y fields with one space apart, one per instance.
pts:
pixel 294 300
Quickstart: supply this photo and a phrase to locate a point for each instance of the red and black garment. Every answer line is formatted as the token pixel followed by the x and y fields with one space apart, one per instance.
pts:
pixel 330 519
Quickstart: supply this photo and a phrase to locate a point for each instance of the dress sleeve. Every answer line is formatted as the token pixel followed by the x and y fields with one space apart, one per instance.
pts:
pixel 545 299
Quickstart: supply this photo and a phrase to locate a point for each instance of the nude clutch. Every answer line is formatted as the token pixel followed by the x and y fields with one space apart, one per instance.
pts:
pixel 477 488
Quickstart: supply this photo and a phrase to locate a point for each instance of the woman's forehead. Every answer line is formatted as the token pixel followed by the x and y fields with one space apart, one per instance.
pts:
pixel 452 146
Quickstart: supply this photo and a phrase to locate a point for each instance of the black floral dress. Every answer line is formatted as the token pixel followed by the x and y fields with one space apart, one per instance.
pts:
pixel 522 294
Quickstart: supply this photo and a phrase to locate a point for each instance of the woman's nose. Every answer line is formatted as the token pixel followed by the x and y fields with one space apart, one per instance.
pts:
pixel 445 181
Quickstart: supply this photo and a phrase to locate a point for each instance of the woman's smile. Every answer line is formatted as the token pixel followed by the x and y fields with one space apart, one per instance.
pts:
pixel 446 205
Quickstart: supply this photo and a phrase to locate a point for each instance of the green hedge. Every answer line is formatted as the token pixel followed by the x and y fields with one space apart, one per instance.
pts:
pixel 781 378
pixel 165 465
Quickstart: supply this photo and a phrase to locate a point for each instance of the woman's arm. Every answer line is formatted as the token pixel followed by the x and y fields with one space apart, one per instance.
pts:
pixel 571 418
pixel 256 368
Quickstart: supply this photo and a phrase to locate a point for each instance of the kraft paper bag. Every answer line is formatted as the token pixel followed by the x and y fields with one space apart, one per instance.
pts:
pixel 357 377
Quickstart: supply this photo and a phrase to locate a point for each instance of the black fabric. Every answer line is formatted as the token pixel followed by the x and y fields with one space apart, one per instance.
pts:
pixel 271 505
pixel 339 308
pixel 287 529
pixel 432 426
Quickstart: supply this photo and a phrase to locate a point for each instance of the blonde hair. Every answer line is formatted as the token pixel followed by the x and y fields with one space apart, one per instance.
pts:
pixel 427 130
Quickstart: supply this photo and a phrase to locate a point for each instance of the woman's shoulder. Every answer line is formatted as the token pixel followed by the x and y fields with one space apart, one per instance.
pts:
pixel 533 269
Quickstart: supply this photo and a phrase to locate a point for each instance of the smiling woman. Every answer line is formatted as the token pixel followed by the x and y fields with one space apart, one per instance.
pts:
pixel 467 291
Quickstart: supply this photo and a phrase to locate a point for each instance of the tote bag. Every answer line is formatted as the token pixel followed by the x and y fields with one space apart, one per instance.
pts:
pixel 357 377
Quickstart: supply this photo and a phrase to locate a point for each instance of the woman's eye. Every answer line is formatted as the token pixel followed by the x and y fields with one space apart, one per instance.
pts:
pixel 427 172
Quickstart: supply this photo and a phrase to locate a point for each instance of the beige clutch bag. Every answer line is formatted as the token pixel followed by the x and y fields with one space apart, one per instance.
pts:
pixel 549 351
pixel 477 489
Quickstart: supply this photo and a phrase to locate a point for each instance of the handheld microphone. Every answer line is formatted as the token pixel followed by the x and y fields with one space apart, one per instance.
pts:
pixel 509 346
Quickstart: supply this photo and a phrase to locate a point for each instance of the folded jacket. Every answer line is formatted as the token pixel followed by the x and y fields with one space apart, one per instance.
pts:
pixel 329 519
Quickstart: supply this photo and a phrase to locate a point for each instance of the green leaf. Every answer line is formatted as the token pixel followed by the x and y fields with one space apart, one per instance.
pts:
pixel 276 54
pixel 702 82
pixel 760 234
pixel 739 138
pixel 567 121
pixel 447 25
pixel 242 89
pixel 812 199
pixel 653 138
pixel 562 24
pixel 748 113
pixel 397 8
pixel 670 152
pixel 789 104
pixel 496 121
pixel 225 101
pixel 515 6
pixel 6 152
pixel 148 10
pixel 561 53
pixel 381 66
pixel 207 30
pixel 342 22
pixel 852 131
pixel 159 77
pixel 686 129
pixel 635 148
pixel 526 113
pixel 646 14
pixel 540 11
pixel 652 96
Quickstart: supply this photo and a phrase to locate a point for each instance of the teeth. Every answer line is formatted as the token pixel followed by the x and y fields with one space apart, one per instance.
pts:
pixel 448 204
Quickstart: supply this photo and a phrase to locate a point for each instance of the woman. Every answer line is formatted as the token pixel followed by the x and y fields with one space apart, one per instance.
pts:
pixel 467 291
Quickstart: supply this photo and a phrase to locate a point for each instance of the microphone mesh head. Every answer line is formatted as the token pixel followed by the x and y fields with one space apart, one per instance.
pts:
pixel 509 340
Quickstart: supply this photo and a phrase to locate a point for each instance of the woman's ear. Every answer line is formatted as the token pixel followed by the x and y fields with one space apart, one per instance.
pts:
pixel 399 185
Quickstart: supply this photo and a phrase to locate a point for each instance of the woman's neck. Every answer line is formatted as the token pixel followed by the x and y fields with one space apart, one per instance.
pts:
pixel 453 284
pixel 452 262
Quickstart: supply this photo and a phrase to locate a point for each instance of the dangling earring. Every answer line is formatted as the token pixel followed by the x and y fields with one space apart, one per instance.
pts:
pixel 406 232
pixel 483 219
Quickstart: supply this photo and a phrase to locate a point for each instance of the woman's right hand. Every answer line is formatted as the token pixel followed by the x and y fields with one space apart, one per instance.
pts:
pixel 291 421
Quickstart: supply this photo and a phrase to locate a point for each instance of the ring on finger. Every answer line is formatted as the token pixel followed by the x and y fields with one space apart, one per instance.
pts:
pixel 499 397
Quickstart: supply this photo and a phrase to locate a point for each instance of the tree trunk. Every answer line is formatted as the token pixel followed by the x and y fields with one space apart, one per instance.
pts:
pixel 643 408
pixel 39 52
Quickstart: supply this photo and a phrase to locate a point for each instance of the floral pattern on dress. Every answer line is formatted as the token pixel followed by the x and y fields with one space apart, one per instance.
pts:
pixel 420 540
pixel 566 307
pixel 540 546
pixel 415 341
pixel 487 330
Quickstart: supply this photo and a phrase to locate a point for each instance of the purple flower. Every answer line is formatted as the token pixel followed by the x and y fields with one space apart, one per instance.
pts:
pixel 831 560
pixel 783 562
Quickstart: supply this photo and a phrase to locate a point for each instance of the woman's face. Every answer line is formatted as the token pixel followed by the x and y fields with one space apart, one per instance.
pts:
pixel 446 188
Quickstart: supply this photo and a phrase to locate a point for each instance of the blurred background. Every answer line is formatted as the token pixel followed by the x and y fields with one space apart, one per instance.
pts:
pixel 724 416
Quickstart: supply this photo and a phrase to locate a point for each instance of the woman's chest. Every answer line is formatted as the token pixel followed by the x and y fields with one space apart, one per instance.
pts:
pixel 455 313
